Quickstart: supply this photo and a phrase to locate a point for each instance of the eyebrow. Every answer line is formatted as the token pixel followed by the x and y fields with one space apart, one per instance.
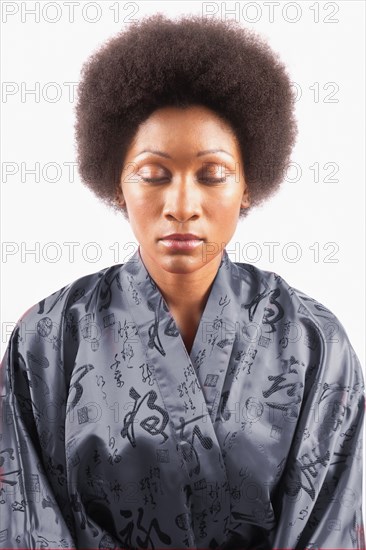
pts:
pixel 199 154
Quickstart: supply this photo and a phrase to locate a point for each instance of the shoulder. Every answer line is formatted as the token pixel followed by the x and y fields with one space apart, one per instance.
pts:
pixel 267 282
pixel 50 329
pixel 80 292
pixel 303 316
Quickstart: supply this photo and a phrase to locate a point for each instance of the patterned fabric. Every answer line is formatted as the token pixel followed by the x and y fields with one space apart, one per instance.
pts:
pixel 113 436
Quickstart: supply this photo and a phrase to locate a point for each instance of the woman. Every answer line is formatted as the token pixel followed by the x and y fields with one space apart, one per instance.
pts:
pixel 181 400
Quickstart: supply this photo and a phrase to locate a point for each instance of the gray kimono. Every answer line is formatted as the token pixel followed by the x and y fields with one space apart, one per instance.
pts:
pixel 113 436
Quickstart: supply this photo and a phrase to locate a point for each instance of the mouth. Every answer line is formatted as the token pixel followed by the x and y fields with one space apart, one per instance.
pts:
pixel 182 237
pixel 181 241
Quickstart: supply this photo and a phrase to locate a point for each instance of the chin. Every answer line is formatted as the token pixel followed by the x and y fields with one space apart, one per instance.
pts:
pixel 181 263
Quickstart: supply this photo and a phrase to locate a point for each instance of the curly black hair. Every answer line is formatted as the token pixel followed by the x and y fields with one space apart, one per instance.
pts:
pixel 191 60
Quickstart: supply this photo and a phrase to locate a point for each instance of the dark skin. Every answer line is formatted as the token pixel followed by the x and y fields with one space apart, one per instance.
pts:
pixel 186 196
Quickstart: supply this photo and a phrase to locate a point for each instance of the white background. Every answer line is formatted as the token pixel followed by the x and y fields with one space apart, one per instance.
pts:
pixel 321 43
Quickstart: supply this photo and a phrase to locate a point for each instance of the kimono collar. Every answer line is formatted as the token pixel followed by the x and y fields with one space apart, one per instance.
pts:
pixel 216 318
pixel 217 330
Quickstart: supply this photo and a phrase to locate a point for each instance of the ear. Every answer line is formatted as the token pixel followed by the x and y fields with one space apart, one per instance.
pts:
pixel 120 198
pixel 245 201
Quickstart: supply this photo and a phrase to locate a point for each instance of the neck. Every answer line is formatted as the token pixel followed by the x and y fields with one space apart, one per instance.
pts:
pixel 184 292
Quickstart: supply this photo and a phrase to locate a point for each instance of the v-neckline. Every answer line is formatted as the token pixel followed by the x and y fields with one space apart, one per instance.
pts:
pixel 196 340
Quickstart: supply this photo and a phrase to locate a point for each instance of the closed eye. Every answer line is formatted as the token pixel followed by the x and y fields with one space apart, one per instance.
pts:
pixel 206 180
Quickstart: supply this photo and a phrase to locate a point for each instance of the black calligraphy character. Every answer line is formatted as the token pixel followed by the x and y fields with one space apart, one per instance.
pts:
pixel 188 450
pixel 56 470
pixel 171 329
pixel 348 435
pixel 77 386
pixel 77 507
pixel 19 506
pixel 112 440
pixel 150 423
pixel 318 306
pixel 224 302
pixel 101 381
pixel 154 339
pixel 154 524
pixel 106 292
pixel 127 531
pixel 252 306
pixel 276 386
pixel 37 380
pixel 284 340
pixel 117 372
pixel 26 403
pixel 148 375
pixel 10 452
pixel 273 315
pixel 42 542
pixel 303 471
pixel 303 513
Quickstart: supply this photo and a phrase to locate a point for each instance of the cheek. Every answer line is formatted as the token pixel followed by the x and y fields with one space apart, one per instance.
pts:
pixel 138 202
pixel 225 202
pixel 141 213
pixel 223 212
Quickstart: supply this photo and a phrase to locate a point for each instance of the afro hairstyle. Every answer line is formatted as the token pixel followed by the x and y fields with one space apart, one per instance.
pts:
pixel 191 60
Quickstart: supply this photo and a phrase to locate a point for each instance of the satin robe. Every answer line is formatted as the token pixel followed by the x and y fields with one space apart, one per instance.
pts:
pixel 113 436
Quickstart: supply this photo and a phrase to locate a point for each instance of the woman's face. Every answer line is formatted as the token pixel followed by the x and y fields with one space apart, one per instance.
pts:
pixel 183 173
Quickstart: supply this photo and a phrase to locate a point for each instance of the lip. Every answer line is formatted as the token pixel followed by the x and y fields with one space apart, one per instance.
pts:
pixel 182 237
pixel 181 241
pixel 178 244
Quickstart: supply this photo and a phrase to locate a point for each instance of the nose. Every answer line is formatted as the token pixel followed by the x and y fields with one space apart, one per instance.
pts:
pixel 182 199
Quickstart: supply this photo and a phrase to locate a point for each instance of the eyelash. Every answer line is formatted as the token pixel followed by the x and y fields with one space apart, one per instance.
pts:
pixel 156 180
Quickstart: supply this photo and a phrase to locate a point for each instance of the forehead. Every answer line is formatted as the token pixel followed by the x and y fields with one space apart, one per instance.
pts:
pixel 194 127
